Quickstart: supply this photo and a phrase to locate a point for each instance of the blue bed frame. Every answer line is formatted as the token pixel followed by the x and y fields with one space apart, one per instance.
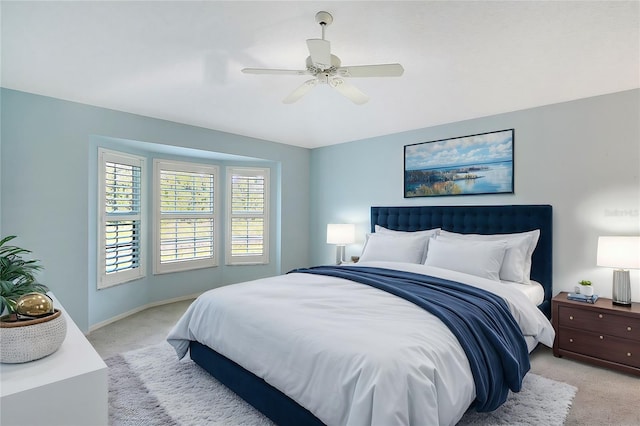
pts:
pixel 464 219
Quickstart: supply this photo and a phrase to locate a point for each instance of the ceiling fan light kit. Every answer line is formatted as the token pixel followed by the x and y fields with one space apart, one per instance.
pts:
pixel 327 68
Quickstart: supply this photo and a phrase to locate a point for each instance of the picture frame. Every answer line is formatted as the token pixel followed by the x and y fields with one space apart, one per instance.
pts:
pixel 466 165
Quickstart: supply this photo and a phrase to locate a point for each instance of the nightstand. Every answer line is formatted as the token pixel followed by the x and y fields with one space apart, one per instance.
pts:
pixel 601 333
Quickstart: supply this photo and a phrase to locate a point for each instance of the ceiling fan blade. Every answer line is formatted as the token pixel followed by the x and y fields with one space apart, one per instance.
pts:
pixel 347 90
pixel 382 70
pixel 320 52
pixel 273 71
pixel 300 91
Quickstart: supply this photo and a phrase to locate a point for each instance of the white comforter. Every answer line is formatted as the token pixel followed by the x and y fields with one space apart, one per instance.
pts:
pixel 349 353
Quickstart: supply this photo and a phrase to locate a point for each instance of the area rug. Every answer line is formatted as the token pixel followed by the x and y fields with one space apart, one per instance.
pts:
pixel 151 387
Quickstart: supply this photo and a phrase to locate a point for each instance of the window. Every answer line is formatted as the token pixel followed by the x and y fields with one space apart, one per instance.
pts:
pixel 120 221
pixel 247 239
pixel 185 216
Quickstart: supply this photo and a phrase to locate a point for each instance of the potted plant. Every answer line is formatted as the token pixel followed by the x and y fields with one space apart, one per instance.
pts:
pixel 32 329
pixel 17 276
pixel 586 288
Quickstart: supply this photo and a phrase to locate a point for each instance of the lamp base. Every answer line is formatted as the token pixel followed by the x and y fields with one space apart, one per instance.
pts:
pixel 339 255
pixel 621 288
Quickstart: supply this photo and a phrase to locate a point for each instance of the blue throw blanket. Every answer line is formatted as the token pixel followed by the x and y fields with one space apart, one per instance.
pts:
pixel 480 320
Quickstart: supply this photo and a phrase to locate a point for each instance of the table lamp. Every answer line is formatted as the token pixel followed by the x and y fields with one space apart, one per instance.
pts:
pixel 622 253
pixel 340 234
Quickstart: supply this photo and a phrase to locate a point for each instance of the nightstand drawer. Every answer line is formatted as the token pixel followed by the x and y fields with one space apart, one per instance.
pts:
pixel 601 346
pixel 600 322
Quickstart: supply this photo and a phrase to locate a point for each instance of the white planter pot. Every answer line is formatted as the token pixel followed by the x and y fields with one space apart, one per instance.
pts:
pixel 26 341
pixel 587 290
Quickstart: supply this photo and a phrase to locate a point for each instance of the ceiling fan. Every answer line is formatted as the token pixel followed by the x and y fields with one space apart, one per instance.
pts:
pixel 327 69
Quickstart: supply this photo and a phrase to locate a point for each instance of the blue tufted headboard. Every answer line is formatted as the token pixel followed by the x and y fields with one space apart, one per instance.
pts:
pixel 482 220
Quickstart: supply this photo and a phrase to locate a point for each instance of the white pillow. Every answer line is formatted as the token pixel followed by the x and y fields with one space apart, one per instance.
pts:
pixel 514 264
pixel 480 258
pixel 426 233
pixel 394 248
pixel 520 247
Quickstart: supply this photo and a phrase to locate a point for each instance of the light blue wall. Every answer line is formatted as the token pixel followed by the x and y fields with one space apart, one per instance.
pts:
pixel 48 178
pixel 582 157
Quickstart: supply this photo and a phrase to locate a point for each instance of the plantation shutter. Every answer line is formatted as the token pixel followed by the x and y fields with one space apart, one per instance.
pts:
pixel 247 240
pixel 185 216
pixel 121 219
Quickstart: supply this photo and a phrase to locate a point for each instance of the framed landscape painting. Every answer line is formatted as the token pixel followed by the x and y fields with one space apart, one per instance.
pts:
pixel 468 165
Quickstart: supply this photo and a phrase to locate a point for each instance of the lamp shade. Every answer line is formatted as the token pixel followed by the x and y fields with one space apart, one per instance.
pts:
pixel 619 252
pixel 341 233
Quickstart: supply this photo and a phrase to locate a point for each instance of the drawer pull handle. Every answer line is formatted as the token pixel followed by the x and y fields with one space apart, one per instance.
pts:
pixel 601 338
pixel 628 328
pixel 599 315
pixel 571 341
pixel 570 317
pixel 628 353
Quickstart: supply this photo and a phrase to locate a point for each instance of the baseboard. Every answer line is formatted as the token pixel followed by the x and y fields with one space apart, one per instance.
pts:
pixel 101 324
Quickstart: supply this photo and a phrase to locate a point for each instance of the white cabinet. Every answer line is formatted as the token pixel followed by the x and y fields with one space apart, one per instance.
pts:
pixel 68 387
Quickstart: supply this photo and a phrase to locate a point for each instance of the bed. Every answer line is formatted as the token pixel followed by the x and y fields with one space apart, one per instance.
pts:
pixel 273 371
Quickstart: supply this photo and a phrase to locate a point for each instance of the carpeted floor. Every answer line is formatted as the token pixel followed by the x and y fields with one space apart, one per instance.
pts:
pixel 150 386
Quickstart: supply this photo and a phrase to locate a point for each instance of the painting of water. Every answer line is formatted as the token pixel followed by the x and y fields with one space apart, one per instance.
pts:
pixel 468 165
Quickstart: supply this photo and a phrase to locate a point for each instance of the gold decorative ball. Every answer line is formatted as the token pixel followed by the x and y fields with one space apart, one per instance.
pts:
pixel 34 305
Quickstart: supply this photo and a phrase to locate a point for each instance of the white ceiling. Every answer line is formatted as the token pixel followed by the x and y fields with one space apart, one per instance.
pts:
pixel 181 61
